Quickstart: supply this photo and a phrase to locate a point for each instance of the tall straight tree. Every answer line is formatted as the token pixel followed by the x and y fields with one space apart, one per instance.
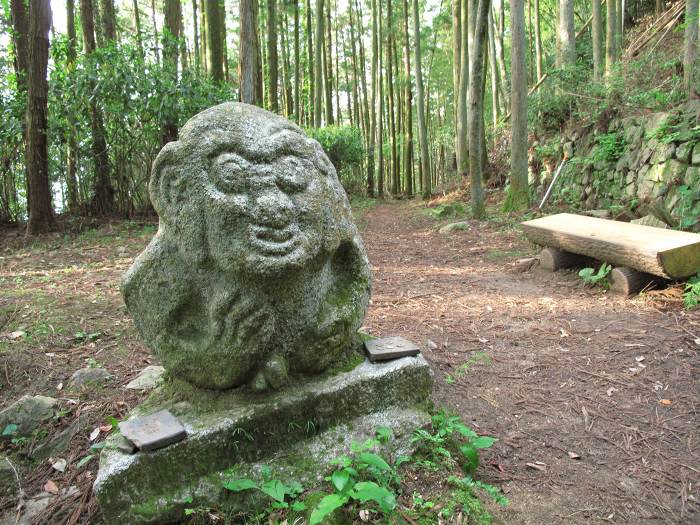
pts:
pixel 456 59
pixel 475 123
pixel 297 65
pixel 272 60
pixel 328 65
pixel 72 168
pixel 566 33
pixel 380 103
pixel 20 35
pixel 318 65
pixel 610 37
pixel 36 150
pixel 597 35
pixel 103 198
pixel 312 66
pixel 420 106
pixel 249 60
pixel 390 84
pixel 215 51
pixel 373 110
pixel 690 55
pixel 518 191
pixel 408 102
pixel 538 42
pixel 109 20
pixel 462 145
pixel 195 28
pixel 499 30
pixel 171 35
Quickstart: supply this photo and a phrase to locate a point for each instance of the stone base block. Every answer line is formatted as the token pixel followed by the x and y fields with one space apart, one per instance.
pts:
pixel 295 432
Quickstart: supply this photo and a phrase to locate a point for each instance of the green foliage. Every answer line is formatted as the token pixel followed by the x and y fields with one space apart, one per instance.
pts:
pixel 9 430
pixel 448 438
pixel 676 129
pixel 609 147
pixel 135 96
pixel 464 367
pixel 278 491
pixel 691 295
pixel 450 209
pixel 687 217
pixel 363 476
pixel 590 276
pixel 345 149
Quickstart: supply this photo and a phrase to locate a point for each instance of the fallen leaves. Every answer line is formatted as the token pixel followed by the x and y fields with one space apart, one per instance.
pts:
pixel 51 487
pixel 665 402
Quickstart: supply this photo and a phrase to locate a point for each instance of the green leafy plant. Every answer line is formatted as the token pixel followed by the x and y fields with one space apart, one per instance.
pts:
pixel 691 295
pixel 590 276
pixel 281 494
pixel 464 367
pixel 364 476
pixel 448 437
pixel 609 147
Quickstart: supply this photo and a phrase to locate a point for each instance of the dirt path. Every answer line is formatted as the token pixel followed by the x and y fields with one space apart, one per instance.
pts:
pixel 594 398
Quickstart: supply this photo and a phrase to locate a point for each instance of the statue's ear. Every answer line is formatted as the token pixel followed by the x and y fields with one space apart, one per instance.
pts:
pixel 168 185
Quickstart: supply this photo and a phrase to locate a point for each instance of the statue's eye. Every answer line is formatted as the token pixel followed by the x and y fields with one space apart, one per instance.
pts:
pixel 231 173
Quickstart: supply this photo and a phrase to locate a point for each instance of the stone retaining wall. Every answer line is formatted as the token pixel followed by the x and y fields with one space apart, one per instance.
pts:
pixel 654 169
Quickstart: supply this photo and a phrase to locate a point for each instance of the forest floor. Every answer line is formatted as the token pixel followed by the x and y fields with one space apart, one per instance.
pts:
pixel 594 398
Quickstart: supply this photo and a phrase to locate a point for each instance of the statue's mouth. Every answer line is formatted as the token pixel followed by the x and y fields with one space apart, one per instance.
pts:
pixel 274 241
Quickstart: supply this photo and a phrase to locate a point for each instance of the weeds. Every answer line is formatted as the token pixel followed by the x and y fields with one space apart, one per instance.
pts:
pixel 691 295
pixel 464 367
pixel 599 278
pixel 369 482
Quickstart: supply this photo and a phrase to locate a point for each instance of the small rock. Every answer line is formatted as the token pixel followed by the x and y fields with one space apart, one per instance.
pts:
pixel 32 508
pixel 8 481
pixel 663 153
pixel 455 226
pixel 58 443
pixel 683 152
pixel 695 159
pixel 432 345
pixel 17 334
pixel 27 413
pixel 148 379
pixel 650 220
pixel 601 214
pixel 87 376
pixel 60 465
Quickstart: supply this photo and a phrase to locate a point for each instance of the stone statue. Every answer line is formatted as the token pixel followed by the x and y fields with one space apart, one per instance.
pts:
pixel 257 270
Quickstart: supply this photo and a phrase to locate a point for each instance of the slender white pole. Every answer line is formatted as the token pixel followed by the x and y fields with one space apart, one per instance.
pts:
pixel 556 176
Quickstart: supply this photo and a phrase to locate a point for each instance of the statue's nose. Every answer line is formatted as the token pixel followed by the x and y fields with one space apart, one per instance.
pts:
pixel 274 208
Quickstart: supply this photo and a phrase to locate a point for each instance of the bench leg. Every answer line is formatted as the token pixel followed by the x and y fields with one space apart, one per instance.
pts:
pixel 553 259
pixel 626 281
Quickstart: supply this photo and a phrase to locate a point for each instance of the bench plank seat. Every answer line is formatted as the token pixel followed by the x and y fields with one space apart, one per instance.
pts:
pixel 665 253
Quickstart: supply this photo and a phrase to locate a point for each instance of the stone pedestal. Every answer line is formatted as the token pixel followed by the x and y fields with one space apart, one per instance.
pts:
pixel 233 434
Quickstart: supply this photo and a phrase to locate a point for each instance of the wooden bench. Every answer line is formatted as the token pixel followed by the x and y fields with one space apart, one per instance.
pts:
pixel 642 253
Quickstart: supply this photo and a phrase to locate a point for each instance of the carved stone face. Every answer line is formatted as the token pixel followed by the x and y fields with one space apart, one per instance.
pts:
pixel 266 215
pixel 257 268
